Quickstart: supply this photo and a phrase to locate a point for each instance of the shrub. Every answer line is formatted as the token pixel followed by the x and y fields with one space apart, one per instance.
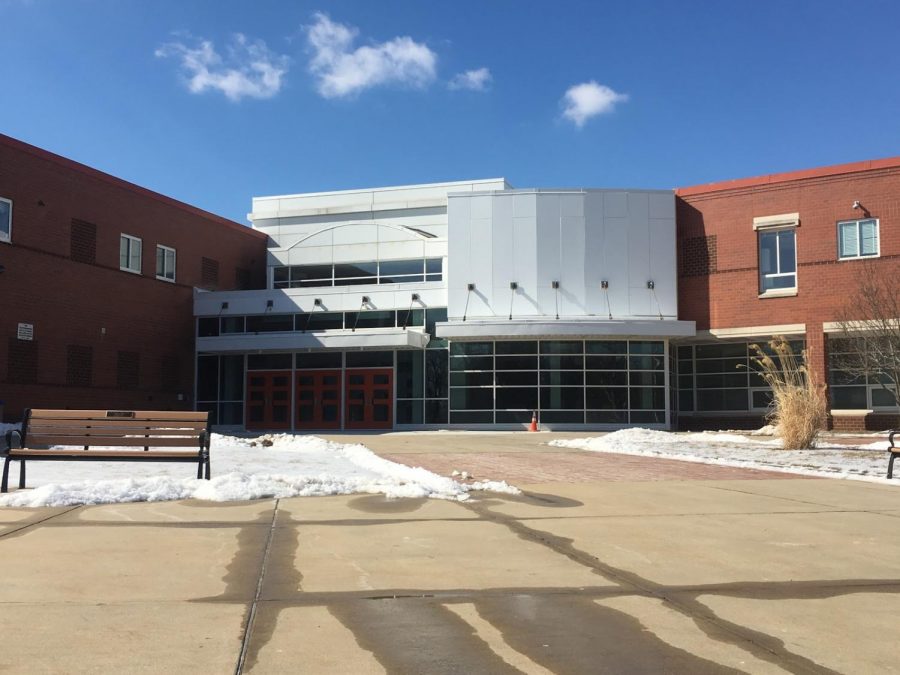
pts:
pixel 798 403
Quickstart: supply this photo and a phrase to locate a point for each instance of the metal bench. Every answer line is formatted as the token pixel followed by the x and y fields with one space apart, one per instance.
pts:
pixel 893 450
pixel 153 435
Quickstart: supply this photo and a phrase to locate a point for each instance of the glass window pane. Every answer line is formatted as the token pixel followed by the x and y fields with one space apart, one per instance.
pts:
pixel 562 398
pixel 562 377
pixel 521 362
pixel 280 275
pixel 360 269
pixel 232 324
pixel 606 362
pixel 768 261
pixel 270 323
pixel 207 377
pixel 849 242
pixel 868 237
pixel 317 321
pixel 722 399
pixel 853 398
pixel 787 260
pixel 5 219
pixel 516 378
pixel 370 359
pixel 562 362
pixel 304 272
pixel 883 398
pixel 436 412
pixel 517 398
pixel 231 381
pixel 319 360
pixel 646 347
pixel 610 378
pixel 207 327
pixel 471 399
pixel 472 363
pixel 647 398
pixel 517 347
pixel 409 412
pixel 389 268
pixel 436 374
pixel 472 348
pixel 410 374
pixel 562 347
pixel 471 379
pixel 607 398
pixel 606 347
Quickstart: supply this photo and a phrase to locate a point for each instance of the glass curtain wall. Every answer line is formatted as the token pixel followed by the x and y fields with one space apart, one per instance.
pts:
pixel 565 381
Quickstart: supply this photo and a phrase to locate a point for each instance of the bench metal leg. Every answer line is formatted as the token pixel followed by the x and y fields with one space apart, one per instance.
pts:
pixel 21 474
pixel 200 469
pixel 890 465
pixel 5 479
pixel 207 468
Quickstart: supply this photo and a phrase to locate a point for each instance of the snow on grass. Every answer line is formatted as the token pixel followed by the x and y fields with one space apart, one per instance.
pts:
pixel 293 466
pixel 861 462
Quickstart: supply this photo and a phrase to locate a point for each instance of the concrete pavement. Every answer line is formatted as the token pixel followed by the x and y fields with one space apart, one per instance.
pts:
pixel 714 572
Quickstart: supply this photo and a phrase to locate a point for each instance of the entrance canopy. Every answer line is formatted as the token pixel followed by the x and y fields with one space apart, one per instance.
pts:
pixel 411 338
pixel 502 329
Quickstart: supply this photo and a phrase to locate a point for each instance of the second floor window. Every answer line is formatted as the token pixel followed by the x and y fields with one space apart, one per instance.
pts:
pixel 130 253
pixel 777 260
pixel 349 274
pixel 858 239
pixel 165 263
pixel 5 219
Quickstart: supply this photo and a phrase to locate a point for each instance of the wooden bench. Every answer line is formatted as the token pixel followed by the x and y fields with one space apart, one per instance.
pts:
pixel 893 450
pixel 145 430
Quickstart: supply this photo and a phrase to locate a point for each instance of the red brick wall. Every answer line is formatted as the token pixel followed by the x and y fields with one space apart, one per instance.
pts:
pixel 728 297
pixel 97 305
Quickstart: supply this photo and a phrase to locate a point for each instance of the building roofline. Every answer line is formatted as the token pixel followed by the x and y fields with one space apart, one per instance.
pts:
pixel 773 178
pixel 71 164
pixel 387 188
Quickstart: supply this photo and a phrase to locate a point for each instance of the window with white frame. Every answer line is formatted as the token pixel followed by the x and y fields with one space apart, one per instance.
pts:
pixel 858 239
pixel 5 219
pixel 130 253
pixel 777 259
pixel 165 263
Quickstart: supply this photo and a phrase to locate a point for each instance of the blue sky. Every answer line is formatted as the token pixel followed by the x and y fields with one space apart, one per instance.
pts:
pixel 213 102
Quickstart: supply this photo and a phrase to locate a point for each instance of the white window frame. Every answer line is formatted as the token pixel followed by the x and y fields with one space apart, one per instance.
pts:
pixel 789 290
pixel 160 248
pixel 7 236
pixel 130 260
pixel 858 223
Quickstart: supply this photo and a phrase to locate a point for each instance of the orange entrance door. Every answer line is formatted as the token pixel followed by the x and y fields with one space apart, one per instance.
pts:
pixel 268 400
pixel 318 399
pixel 370 398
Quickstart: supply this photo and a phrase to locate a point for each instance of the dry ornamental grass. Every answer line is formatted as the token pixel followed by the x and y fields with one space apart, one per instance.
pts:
pixel 798 403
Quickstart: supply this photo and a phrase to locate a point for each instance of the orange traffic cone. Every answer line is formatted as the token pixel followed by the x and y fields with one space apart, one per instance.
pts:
pixel 533 425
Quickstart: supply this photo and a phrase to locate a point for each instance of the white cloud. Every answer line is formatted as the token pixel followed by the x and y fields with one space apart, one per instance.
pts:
pixel 476 80
pixel 248 69
pixel 343 71
pixel 583 101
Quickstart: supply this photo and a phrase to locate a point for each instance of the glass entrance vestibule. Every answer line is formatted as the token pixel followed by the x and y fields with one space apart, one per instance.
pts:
pixel 601 383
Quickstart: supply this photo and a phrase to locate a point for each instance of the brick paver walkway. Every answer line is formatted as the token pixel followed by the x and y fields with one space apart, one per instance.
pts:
pixel 575 467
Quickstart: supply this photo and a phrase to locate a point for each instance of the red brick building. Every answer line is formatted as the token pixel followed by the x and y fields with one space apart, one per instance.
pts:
pixel 98 278
pixel 97 285
pixel 780 254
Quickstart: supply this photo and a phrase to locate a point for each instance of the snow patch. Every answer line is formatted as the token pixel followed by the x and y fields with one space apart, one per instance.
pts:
pixel 861 462
pixel 243 468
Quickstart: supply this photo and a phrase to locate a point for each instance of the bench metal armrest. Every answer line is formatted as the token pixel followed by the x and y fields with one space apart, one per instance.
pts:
pixel 891 436
pixel 12 436
pixel 204 443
